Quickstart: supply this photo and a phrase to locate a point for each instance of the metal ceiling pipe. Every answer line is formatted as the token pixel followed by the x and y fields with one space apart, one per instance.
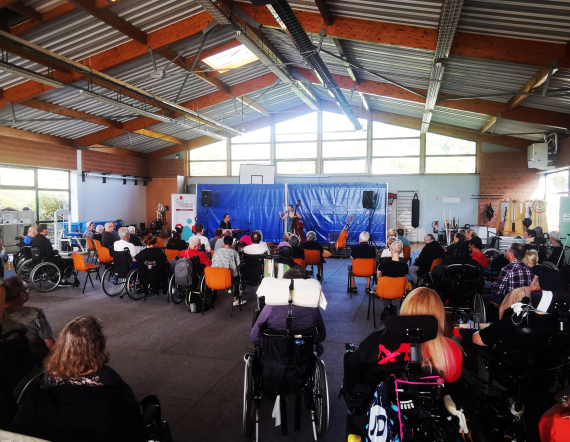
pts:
pixel 290 24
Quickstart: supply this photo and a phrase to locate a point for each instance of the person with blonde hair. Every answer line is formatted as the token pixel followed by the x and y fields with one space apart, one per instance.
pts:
pixel 391 232
pixel 470 234
pixel 530 258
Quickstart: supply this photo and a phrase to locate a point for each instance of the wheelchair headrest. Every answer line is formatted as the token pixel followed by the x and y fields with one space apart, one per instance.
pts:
pixel 550 302
pixel 411 329
pixel 285 251
pixel 550 279
pixel 306 292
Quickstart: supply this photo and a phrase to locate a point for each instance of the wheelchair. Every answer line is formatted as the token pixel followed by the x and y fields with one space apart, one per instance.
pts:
pixel 284 364
pixel 45 275
pixel 460 295
pixel 146 278
pixel 251 271
pixel 114 279
pixel 23 263
pixel 183 292
pixel 514 374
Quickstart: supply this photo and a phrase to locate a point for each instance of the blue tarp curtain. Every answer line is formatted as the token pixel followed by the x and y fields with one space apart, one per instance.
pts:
pixel 257 203
pixel 326 207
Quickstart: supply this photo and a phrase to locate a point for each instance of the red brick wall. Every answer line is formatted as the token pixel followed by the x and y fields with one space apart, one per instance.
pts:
pixel 507 174
pixel 166 168
pixel 112 163
pixel 21 151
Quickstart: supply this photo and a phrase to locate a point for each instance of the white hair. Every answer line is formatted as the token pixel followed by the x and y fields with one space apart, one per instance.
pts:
pixel 390 240
pixel 311 236
pixel 364 237
pixel 132 229
pixel 193 241
pixel 99 228
pixel 397 246
pixel 123 232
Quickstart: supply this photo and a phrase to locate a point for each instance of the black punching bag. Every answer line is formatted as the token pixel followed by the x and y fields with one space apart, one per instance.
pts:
pixel 415 211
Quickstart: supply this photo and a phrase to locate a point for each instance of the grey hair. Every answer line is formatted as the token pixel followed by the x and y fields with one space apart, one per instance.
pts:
pixel 397 246
pixel 364 237
pixel 123 232
pixel 226 232
pixel 294 240
pixel 286 236
pixel 193 241
pixel 132 229
pixel 99 228
pixel 390 240
pixel 311 236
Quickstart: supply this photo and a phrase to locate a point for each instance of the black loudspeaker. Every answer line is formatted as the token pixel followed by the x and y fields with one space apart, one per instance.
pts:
pixel 368 199
pixel 143 227
pixel 206 198
pixel 415 211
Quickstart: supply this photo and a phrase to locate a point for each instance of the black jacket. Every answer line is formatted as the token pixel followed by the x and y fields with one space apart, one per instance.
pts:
pixel 135 241
pixel 430 252
pixel 42 242
pixel 108 241
pixel 363 250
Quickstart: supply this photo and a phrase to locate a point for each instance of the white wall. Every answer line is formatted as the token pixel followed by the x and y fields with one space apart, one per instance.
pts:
pixel 429 187
pixel 113 200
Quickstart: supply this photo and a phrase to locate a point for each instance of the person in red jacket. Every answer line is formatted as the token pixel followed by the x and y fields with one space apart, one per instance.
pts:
pixel 475 246
pixel 194 250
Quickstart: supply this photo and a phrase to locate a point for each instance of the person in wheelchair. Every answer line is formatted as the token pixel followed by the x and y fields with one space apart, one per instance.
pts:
pixel 381 354
pixel 194 250
pixel 51 255
pixel 274 316
pixel 83 399
pixel 32 232
pixel 554 252
pixel 460 255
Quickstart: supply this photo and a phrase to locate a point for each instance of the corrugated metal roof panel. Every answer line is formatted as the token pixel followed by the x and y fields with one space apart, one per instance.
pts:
pixel 140 143
pixel 42 5
pixel 467 120
pixel 517 129
pixel 245 73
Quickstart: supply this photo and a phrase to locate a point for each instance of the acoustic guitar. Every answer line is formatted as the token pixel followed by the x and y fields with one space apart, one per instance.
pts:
pixel 340 243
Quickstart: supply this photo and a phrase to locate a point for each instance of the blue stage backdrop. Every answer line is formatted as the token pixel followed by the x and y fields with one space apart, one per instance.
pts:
pixel 327 207
pixel 257 203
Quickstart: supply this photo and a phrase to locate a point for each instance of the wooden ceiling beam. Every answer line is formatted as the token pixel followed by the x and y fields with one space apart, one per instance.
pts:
pixel 252 104
pixel 159 136
pixel 531 52
pixel 213 51
pixel 113 20
pixel 29 55
pixel 26 11
pixel 4 3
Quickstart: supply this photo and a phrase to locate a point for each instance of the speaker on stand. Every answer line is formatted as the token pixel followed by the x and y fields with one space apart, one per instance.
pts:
pixel 206 201
pixel 368 198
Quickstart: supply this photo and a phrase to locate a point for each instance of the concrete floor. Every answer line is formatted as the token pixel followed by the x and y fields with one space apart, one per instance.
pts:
pixel 194 363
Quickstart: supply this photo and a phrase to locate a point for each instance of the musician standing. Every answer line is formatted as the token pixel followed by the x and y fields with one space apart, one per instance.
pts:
pixel 290 216
pixel 226 224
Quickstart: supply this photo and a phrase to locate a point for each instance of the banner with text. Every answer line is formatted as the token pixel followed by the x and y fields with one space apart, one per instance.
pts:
pixel 183 210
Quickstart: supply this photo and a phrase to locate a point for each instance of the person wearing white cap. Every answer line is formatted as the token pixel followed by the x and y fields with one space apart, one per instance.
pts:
pixel 89 232
pixel 553 254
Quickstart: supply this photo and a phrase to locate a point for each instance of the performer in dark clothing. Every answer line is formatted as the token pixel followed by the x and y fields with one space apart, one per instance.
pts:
pixel 226 224
pixel 431 251
pixel 50 255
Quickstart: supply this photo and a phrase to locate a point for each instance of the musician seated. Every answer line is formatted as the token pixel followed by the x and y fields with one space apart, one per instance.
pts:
pixel 285 241
pixel 175 242
pixel 274 316
pixel 387 252
pixel 133 238
pixel 32 231
pixel 220 242
pixel 194 250
pixel 312 244
pixel 362 251
pixel 217 236
pixel 257 247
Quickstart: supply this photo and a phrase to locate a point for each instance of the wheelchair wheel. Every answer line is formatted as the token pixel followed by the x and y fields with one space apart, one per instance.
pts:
pixel 176 294
pixel 249 408
pixel 479 307
pixel 491 254
pixel 321 398
pixel 134 287
pixel 25 270
pixel 111 283
pixel 45 277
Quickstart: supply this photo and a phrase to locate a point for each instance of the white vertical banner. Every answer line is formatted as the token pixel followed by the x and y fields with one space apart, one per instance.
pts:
pixel 184 212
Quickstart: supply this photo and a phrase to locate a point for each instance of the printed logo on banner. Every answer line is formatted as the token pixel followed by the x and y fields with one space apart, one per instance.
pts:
pixel 184 204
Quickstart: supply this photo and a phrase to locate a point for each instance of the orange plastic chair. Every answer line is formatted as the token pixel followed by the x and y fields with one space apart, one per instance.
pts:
pixel 159 243
pixel 408 254
pixel 362 268
pixel 300 261
pixel 92 250
pixel 103 253
pixel 387 288
pixel 435 262
pixel 80 266
pixel 312 257
pixel 422 279
pixel 218 278
pixel 171 254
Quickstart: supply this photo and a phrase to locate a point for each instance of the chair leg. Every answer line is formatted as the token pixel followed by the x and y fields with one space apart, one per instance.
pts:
pixel 374 310
pixel 368 315
pixel 85 283
pixel 90 279
pixel 74 281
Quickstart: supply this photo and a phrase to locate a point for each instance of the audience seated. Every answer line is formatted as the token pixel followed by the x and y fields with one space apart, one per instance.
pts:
pixel 115 231
pixel 296 251
pixel 194 250
pixel 285 241
pixel 431 251
pixel 246 240
pixel 90 230
pixel 312 244
pixel 516 274
pixel 458 243
pixel 31 320
pixel 217 235
pixel 303 317
pixel 133 238
pixel 554 425
pixel 175 242
pixel 220 241
pixel 530 239
pixel 470 233
pixel 475 246
pixel 365 368
pixel 228 258
pixel 151 252
pixel 51 255
pixel 123 243
pixel 387 252
pixel 405 241
pixel 83 399
pixel 393 268
pixel 108 238
pixel 257 247
pixel 553 254
pixel 460 256
pixel 202 238
pixel 32 231
pixel 98 235
pixel 362 251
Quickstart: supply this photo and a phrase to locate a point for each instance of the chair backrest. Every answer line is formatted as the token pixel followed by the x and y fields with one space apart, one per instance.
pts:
pixel 312 257
pixel 407 252
pixel 90 244
pixel 37 255
pixel 159 243
pixel 300 261
pixel 97 244
pixel 252 268
pixel 122 263
pixel 435 262
pixel 171 254
pixel 103 253
pixel 391 288
pixel 150 272
pixel 461 272
pixel 78 262
pixel 218 278
pixel 363 266
pixel 333 237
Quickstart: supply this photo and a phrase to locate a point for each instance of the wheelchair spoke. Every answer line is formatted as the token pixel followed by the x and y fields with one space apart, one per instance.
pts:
pixel 45 277
pixel 134 287
pixel 112 283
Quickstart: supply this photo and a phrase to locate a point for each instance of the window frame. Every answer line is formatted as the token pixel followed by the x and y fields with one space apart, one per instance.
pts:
pixel 474 155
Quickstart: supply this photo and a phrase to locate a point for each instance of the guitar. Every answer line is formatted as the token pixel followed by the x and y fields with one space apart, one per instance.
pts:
pixel 298 226
pixel 340 243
